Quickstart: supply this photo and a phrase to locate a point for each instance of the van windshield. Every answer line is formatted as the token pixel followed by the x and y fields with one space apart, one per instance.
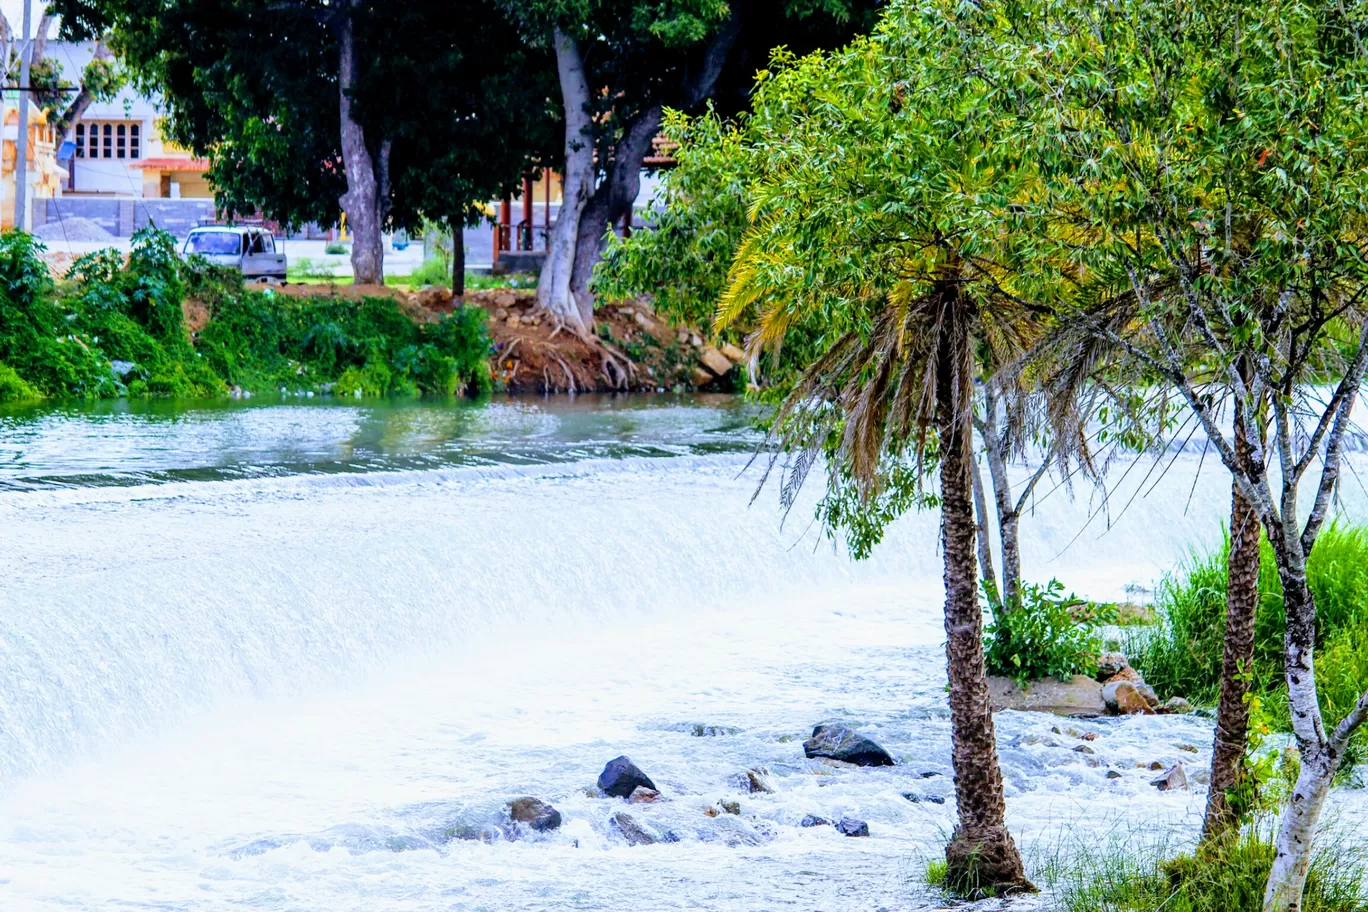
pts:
pixel 214 242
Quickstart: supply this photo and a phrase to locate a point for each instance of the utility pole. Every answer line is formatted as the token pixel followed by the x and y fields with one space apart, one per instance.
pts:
pixel 21 141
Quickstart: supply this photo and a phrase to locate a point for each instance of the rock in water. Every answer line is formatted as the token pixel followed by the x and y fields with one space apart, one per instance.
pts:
pixel 812 820
pixel 536 813
pixel 852 827
pixel 1079 696
pixel 1174 779
pixel 631 830
pixel 621 777
pixel 1123 698
pixel 643 795
pixel 836 742
pixel 753 781
pixel 1177 705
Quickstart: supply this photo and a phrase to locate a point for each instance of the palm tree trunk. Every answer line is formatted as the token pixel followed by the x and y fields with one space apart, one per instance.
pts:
pixel 1242 602
pixel 981 856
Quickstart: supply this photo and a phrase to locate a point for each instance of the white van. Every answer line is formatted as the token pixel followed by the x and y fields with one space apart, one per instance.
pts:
pixel 252 250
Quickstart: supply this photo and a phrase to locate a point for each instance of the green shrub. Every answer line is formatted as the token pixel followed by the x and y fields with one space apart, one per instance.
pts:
pixel 306 268
pixel 1041 638
pixel 336 248
pixel 14 388
pixel 59 341
pixel 1182 654
pixel 1227 876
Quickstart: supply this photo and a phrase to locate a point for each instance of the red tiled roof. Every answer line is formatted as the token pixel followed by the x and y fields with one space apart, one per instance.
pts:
pixel 172 164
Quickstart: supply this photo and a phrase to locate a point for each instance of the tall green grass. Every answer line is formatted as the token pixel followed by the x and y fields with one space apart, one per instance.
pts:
pixel 1114 876
pixel 1181 656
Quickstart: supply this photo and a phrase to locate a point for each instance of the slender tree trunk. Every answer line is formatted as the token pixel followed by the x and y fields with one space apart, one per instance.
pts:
pixel 1009 520
pixel 612 200
pixel 981 855
pixel 457 258
pixel 1242 602
pixel 1297 829
pixel 362 201
pixel 553 286
pixel 987 575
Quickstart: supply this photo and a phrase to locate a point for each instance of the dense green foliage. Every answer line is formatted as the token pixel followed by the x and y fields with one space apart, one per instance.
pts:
pixel 1227 876
pixel 1182 655
pixel 1041 638
pixel 114 328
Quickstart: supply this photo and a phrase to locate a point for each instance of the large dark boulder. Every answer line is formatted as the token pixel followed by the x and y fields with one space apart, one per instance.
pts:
pixel 837 742
pixel 536 813
pixel 621 777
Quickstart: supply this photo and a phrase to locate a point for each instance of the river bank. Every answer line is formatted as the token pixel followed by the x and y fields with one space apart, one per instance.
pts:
pixel 285 688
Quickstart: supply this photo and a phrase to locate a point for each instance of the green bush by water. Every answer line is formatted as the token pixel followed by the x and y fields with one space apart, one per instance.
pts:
pixel 1041 638
pixel 115 329
pixel 1181 656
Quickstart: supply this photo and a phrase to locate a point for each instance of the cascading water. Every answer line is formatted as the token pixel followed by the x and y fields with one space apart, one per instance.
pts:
pixel 304 692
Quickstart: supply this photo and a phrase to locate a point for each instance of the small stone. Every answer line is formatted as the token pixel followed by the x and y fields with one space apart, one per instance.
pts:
pixel 711 812
pixel 621 777
pixel 643 795
pixel 1177 706
pixel 812 820
pixel 701 377
pixel 1126 674
pixel 1149 695
pixel 923 799
pixel 1109 664
pixel 513 320
pixel 840 743
pixel 505 299
pixel 852 827
pixel 630 830
pixel 732 353
pixel 643 321
pixel 696 340
pixel 536 813
pixel 731 807
pixel 682 337
pixel 1155 765
pixel 1174 779
pixel 1113 774
pixel 713 731
pixel 500 314
pixel 1123 699
pixel 1084 749
pixel 1190 748
pixel 716 362
pixel 753 781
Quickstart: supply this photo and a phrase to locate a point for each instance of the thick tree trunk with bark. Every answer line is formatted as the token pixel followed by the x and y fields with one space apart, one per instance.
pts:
pixel 1242 602
pixel 362 202
pixel 612 200
pixel 981 856
pixel 553 286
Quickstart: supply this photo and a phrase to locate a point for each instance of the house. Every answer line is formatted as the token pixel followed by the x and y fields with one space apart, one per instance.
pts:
pixel 116 167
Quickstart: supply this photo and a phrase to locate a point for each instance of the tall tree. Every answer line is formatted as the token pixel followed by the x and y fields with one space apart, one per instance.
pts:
pixel 1204 167
pixel 621 64
pixel 879 219
pixel 308 108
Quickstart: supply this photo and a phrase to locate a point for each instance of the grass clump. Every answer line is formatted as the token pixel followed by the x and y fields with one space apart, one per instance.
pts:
pixel 1040 638
pixel 1181 655
pixel 1227 876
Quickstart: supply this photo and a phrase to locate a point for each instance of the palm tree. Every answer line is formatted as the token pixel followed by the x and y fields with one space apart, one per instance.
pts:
pixel 895 390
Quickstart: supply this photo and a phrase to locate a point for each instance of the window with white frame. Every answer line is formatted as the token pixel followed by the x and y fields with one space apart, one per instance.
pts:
pixel 109 139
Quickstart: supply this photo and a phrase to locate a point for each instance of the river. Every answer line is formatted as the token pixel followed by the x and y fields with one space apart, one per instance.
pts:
pixel 276 655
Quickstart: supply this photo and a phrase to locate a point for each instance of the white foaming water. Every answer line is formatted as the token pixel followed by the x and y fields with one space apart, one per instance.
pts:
pixel 298 693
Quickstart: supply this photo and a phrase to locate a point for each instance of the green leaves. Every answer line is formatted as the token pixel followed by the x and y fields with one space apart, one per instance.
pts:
pixel 1040 638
